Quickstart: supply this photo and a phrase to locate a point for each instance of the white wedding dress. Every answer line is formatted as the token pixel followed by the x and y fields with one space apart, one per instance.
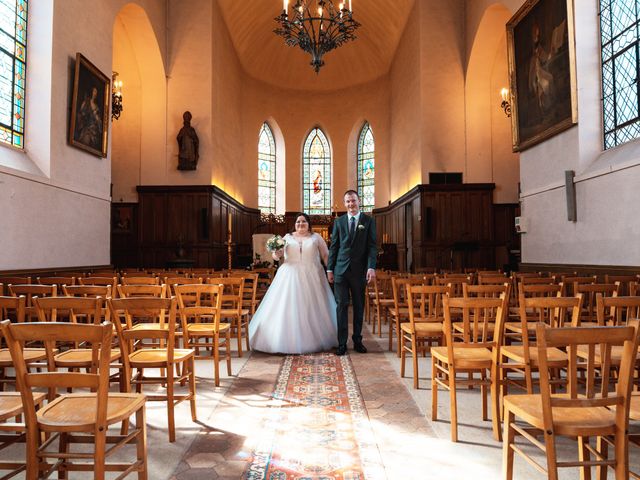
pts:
pixel 298 312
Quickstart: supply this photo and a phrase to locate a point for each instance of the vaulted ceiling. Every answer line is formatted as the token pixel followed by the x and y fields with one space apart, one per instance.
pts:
pixel 265 56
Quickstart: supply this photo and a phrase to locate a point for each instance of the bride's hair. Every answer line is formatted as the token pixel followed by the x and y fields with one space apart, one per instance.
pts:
pixel 306 217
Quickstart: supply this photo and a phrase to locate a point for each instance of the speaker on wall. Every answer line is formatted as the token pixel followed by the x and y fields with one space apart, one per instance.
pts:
pixel 570 189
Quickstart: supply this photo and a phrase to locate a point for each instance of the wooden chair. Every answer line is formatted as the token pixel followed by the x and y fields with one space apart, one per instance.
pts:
pixel 250 291
pixel 382 299
pixel 75 417
pixel 624 280
pixel 587 409
pixel 569 283
pixel 493 279
pixel 470 352
pixel 103 281
pixel 233 308
pixel 84 310
pixel 400 309
pixel 58 281
pixel 155 291
pixel 29 292
pixel 200 307
pixel 161 353
pixel 139 280
pixel 171 281
pixel 14 308
pixel 87 291
pixel 589 292
pixel 5 281
pixel 425 325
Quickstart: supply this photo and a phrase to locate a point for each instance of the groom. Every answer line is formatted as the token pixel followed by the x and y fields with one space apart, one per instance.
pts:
pixel 352 263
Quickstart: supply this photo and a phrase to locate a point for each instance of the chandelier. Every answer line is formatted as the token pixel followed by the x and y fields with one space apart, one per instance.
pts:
pixel 316 30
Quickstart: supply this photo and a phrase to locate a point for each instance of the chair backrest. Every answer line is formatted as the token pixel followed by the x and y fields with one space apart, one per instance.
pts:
pixel 589 292
pixel 171 281
pixel 233 291
pixel 12 308
pixel 86 309
pixel 570 281
pixel 97 379
pixel 538 280
pixel 103 281
pixel 382 286
pixel 30 291
pixel 455 282
pixel 492 279
pixel 5 281
pixel 481 317
pixel 399 287
pixel 616 311
pixel 250 287
pixel 199 301
pixel 156 291
pixel 539 290
pixel 103 291
pixel 137 280
pixel 59 281
pixel 582 388
pixel 425 302
pixel 624 280
pixel 487 290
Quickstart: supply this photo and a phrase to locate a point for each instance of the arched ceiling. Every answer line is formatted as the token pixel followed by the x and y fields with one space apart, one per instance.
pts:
pixel 266 57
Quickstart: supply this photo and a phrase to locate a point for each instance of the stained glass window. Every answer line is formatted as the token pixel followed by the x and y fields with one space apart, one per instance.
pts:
pixel 316 176
pixel 366 168
pixel 619 41
pixel 266 170
pixel 13 56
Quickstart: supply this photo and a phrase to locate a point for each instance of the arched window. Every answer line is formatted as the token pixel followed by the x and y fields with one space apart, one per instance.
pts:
pixel 620 44
pixel 316 174
pixel 266 170
pixel 13 56
pixel 366 168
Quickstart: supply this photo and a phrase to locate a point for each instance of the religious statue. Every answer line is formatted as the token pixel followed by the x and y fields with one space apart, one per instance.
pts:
pixel 187 145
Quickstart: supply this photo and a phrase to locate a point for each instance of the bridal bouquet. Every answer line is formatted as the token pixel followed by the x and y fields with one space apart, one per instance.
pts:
pixel 275 243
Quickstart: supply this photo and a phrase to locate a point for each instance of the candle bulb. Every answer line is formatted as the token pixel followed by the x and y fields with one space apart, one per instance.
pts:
pixel 350 7
pixel 285 5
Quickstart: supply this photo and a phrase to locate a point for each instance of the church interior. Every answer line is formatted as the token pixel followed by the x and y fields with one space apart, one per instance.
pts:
pixel 150 148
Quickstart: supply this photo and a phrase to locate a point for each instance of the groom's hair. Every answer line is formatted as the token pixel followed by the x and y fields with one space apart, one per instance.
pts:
pixel 351 192
pixel 306 217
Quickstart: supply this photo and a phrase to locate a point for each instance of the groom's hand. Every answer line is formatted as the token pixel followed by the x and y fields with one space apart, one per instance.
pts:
pixel 371 275
pixel 330 277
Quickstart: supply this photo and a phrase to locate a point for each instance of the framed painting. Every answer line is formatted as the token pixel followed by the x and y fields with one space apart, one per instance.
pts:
pixel 541 49
pixel 121 218
pixel 89 123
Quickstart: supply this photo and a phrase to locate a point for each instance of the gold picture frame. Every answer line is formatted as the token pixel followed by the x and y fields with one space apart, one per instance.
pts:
pixel 89 123
pixel 542 73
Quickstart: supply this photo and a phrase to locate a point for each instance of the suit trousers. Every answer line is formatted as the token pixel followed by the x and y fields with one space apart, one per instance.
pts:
pixel 350 284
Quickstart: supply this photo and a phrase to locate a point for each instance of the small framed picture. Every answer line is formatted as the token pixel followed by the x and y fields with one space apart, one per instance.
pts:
pixel 89 123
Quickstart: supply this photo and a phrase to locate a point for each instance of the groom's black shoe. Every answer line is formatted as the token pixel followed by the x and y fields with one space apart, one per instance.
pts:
pixel 359 347
pixel 342 350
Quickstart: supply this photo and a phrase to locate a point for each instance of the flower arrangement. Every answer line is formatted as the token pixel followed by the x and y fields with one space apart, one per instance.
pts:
pixel 275 243
pixel 360 227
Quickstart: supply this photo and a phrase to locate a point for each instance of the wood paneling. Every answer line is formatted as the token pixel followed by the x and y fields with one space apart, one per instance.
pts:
pixel 451 227
pixel 196 219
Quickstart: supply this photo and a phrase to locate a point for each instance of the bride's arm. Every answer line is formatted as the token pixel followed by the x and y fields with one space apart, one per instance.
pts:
pixel 322 248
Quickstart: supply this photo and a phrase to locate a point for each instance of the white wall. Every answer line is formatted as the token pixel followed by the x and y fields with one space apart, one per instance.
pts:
pixel 55 198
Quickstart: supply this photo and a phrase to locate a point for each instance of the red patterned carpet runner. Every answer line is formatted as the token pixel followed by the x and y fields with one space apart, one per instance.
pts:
pixel 318 428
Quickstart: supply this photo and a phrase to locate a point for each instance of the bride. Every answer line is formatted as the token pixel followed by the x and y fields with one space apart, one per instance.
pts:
pixel 298 312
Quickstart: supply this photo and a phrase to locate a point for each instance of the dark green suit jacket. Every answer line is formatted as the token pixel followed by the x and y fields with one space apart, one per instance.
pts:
pixel 358 253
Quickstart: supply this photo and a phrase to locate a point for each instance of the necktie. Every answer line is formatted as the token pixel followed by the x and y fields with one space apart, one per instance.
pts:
pixel 352 227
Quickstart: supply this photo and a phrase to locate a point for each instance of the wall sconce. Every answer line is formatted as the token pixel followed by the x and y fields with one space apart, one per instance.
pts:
pixel 116 96
pixel 505 105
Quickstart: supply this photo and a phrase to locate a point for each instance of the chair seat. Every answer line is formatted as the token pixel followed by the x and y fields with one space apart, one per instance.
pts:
pixel 423 329
pixel 30 355
pixel 149 326
pixel 616 354
pixel 583 421
pixel 207 327
pixel 634 407
pixel 150 357
pixel 516 327
pixel 11 404
pixel 464 357
pixel 555 356
pixel 76 412
pixel 80 357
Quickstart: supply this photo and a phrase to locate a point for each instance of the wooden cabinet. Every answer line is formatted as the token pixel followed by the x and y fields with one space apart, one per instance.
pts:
pixel 445 227
pixel 196 220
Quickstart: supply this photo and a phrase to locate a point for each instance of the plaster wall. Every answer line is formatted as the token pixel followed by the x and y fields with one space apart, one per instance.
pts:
pixel 340 114
pixel 405 110
pixel 58 196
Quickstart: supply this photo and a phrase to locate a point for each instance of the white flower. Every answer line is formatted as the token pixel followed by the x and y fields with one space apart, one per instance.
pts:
pixel 360 227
